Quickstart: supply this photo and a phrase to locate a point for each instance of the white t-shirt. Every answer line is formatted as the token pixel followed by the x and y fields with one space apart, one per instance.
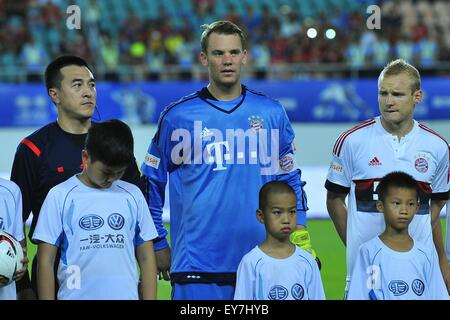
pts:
pixel 381 273
pixel 11 222
pixel 366 153
pixel 261 277
pixel 97 231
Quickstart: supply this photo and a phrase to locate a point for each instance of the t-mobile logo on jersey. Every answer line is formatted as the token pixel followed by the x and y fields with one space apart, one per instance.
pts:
pixel 218 157
pixel 211 146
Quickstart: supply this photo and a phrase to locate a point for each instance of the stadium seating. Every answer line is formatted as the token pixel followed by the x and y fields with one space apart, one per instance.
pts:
pixel 125 22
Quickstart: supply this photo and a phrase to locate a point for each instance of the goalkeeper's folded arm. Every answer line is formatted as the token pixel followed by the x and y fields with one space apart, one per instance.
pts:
pixel 160 243
pixel 302 239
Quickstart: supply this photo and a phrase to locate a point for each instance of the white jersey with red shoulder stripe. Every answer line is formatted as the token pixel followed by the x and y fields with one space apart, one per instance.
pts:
pixel 366 153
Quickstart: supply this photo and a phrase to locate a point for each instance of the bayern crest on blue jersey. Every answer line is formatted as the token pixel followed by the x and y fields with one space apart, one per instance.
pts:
pixel 287 163
pixel 256 123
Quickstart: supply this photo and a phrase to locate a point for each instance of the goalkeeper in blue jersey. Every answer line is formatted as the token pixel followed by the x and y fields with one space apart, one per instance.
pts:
pixel 217 147
pixel 277 269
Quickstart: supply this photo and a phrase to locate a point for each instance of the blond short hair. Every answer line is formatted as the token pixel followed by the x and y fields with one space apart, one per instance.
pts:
pixel 401 66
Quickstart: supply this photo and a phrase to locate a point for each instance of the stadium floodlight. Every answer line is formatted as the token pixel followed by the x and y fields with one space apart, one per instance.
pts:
pixel 330 34
pixel 311 33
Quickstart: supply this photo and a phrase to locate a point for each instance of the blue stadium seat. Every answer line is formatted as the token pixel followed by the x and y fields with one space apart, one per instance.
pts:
pixel 271 5
pixel 220 9
pixel 138 7
pixel 305 9
pixel 238 4
pixel 152 9
pixel 170 6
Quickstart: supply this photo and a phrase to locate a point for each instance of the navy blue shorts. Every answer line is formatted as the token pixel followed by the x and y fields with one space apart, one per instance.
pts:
pixel 202 291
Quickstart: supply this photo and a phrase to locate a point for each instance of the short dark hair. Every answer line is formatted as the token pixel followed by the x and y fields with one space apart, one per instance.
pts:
pixel 397 179
pixel 273 187
pixel 53 76
pixel 110 142
pixel 220 27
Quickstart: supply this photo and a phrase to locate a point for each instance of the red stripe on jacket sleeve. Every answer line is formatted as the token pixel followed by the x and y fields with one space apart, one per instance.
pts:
pixel 32 147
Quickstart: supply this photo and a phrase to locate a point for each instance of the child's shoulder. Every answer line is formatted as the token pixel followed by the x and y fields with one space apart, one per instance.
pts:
pixel 254 254
pixel 372 245
pixel 9 185
pixel 128 187
pixel 304 254
pixel 69 183
pixel 256 251
pixel 423 248
pixel 373 242
pixel 64 187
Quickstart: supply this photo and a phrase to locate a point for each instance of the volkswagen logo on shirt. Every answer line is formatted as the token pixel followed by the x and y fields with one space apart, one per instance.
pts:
pixel 91 222
pixel 418 287
pixel 297 291
pixel 116 221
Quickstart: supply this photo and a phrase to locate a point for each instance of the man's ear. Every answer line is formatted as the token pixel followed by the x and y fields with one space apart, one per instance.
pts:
pixel 380 206
pixel 54 95
pixel 84 157
pixel 244 56
pixel 260 216
pixel 203 59
pixel 417 96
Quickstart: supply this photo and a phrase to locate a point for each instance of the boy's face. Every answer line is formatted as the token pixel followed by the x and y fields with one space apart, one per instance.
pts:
pixel 280 215
pixel 99 175
pixel 399 207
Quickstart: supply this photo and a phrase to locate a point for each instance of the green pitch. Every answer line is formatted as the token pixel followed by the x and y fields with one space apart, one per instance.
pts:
pixel 329 249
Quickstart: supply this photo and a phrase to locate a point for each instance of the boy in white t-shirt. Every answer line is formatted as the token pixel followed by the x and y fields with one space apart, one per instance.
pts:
pixel 393 265
pixel 277 269
pixel 100 223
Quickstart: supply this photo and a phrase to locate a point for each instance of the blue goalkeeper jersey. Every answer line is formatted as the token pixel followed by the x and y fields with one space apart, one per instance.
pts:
pixel 216 156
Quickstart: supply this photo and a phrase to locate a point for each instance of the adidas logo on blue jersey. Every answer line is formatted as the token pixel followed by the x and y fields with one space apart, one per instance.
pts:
pixel 206 133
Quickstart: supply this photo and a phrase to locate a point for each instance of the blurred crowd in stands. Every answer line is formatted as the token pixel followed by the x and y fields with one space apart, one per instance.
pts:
pixel 159 39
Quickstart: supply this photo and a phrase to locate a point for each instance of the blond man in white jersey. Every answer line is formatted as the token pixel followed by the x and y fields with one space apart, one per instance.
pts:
pixel 390 142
